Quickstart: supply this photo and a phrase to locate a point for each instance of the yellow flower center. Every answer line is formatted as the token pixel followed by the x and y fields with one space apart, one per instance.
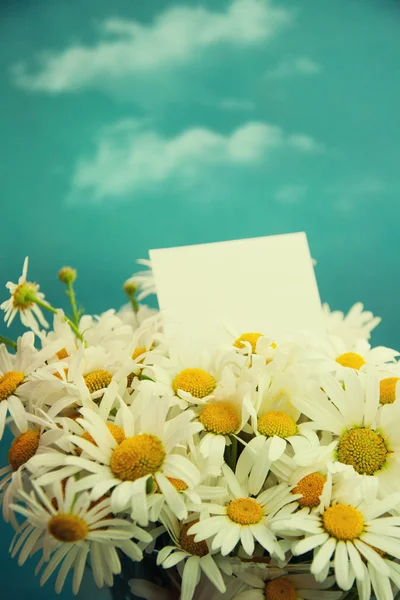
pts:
pixel 138 352
pixel 251 338
pixel 276 422
pixel 343 522
pixel 24 295
pixel 220 418
pixel 68 528
pixel 61 354
pixel 23 448
pixel 9 383
pixel 245 511
pixel 351 360
pixel 388 390
pixel 363 449
pixel 178 484
pixel 197 382
pixel 97 380
pixel 310 487
pixel 187 542
pixel 137 456
pixel 280 589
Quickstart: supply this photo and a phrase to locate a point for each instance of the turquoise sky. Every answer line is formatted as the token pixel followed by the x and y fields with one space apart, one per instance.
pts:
pixel 135 125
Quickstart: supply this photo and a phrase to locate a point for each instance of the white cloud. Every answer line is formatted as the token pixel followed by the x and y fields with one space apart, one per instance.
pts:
pixel 131 157
pixel 291 194
pixel 293 66
pixel 176 37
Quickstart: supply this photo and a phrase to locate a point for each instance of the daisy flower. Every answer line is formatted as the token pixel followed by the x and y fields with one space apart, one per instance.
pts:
pixel 223 417
pixel 34 436
pixel 147 452
pixel 243 519
pixel 69 528
pixel 22 299
pixel 274 422
pixel 197 557
pixel 17 385
pixel 143 280
pixel 367 440
pixel 337 356
pixel 349 531
pixel 293 587
pixel 189 375
pixel 356 325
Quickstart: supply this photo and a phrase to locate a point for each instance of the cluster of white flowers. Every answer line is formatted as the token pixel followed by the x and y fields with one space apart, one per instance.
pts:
pixel 269 469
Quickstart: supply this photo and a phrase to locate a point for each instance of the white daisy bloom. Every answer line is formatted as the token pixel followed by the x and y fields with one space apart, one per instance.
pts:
pixel 17 384
pixel 274 423
pixel 21 302
pixel 146 453
pixel 243 519
pixel 349 531
pixel 335 356
pixel 143 280
pixel 367 440
pixel 69 528
pixel 35 436
pixel 224 416
pixel 189 375
pixel 286 586
pixel 353 327
pixel 197 557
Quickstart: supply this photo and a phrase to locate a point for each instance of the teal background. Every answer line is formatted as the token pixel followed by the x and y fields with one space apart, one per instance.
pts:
pixel 102 157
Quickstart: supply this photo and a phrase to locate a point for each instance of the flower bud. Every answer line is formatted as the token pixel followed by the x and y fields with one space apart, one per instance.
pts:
pixel 67 275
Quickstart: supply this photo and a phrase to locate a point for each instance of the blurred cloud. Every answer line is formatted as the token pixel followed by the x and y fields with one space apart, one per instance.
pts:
pixel 176 37
pixel 290 194
pixel 131 156
pixel 293 66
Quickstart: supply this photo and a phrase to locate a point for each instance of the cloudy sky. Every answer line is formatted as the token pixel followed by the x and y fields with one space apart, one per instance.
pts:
pixel 133 125
pixel 158 123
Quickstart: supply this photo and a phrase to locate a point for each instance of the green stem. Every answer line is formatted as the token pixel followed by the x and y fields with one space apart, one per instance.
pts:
pixel 10 343
pixel 72 299
pixel 233 453
pixel 134 303
pixel 53 310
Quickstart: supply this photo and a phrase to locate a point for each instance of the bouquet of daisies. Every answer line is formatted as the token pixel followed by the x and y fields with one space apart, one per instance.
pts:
pixel 268 469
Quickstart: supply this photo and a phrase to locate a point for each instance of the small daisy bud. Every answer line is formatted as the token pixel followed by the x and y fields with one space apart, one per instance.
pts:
pixel 67 275
pixel 130 287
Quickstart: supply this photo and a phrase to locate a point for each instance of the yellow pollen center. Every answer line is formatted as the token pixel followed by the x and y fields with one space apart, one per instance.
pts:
pixel 276 422
pixel 251 338
pixel 61 354
pixel 219 418
pixel 9 383
pixel 187 542
pixel 67 528
pixel 343 522
pixel 137 456
pixel 363 449
pixel 97 380
pixel 310 487
pixel 245 511
pixel 197 382
pixel 23 448
pixel 351 360
pixel 178 484
pixel 280 589
pixel 138 352
pixel 388 390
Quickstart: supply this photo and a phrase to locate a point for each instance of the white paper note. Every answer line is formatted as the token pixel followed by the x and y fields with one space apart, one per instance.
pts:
pixel 264 285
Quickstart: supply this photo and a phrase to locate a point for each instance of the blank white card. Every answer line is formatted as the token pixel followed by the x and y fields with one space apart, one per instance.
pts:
pixel 265 285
